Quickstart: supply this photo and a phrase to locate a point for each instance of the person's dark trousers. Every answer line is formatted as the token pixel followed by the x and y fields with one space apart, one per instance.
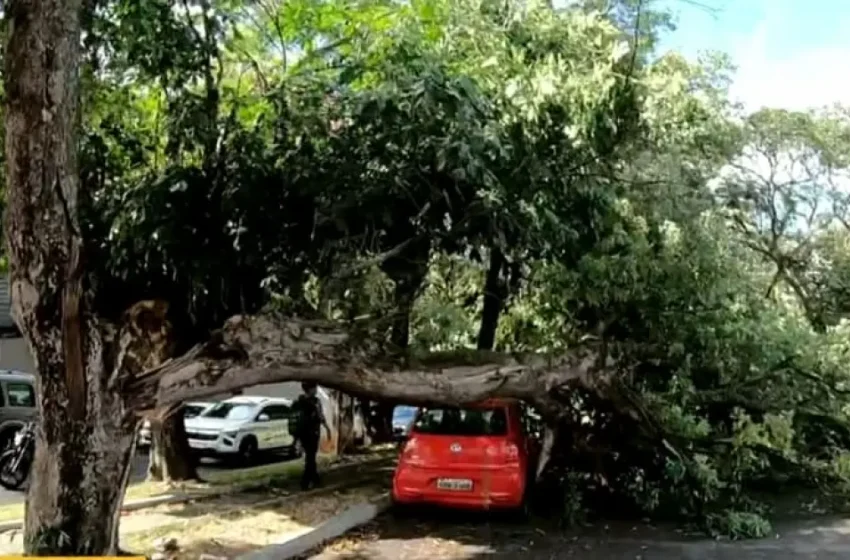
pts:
pixel 310 478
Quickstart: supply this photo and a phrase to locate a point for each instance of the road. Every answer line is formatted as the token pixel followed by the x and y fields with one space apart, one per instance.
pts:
pixel 138 474
pixel 430 536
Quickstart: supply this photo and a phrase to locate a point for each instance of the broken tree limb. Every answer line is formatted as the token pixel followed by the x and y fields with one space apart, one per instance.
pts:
pixel 269 348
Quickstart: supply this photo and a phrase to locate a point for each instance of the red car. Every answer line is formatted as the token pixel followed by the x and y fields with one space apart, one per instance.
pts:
pixel 481 457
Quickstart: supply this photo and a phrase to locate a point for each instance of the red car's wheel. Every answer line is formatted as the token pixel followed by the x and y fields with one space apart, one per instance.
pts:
pixel 522 513
pixel 524 510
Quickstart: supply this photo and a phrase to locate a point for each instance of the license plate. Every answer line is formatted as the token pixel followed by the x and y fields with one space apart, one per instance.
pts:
pixel 197 444
pixel 456 484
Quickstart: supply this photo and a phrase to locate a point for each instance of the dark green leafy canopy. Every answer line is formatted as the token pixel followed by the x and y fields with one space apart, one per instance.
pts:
pixel 402 159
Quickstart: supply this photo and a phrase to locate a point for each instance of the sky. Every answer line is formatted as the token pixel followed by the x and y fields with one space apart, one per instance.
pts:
pixel 789 53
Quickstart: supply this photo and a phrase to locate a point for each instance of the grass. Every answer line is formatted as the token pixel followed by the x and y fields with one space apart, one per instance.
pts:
pixel 272 475
pixel 234 480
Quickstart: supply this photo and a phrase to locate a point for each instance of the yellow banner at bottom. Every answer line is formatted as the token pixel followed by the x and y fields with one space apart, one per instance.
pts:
pixel 73 557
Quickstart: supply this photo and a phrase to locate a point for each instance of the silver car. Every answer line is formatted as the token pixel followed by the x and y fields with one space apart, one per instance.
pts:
pixel 17 403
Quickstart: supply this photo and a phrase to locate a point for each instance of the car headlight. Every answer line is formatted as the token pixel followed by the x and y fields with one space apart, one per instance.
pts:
pixel 230 435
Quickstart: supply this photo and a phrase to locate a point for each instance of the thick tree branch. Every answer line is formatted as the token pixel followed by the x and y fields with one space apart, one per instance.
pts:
pixel 267 348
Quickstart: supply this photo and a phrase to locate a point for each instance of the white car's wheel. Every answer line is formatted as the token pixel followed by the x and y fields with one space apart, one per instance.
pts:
pixel 248 450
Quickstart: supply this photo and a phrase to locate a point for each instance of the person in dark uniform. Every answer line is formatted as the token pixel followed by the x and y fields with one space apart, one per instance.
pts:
pixel 312 420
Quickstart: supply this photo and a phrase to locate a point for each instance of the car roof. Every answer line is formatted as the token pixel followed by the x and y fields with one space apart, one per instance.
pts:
pixel 252 399
pixel 489 403
pixel 200 403
pixel 495 401
pixel 13 375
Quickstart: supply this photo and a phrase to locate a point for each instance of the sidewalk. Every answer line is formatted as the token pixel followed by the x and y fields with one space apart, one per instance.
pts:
pixel 235 527
pixel 257 515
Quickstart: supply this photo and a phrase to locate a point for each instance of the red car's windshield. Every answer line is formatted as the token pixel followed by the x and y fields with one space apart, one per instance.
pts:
pixel 462 422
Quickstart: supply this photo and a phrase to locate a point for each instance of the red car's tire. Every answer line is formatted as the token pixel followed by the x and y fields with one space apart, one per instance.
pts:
pixel 523 512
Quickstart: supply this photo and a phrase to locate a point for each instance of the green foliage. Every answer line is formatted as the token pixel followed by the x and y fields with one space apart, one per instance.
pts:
pixel 738 525
pixel 366 158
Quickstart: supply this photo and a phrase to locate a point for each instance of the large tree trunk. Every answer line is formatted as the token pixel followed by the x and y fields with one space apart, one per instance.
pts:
pixel 171 458
pixel 381 417
pixel 346 437
pixel 86 434
pixel 495 292
pixel 85 437
pixel 79 476
pixel 407 270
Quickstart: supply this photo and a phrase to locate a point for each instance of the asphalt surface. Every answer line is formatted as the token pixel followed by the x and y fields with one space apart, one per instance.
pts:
pixel 139 473
pixel 442 536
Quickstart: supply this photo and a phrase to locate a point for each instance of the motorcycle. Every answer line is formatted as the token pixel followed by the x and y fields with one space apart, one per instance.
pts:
pixel 15 460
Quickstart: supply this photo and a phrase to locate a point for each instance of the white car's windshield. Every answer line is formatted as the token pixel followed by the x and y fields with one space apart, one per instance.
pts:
pixel 192 410
pixel 231 411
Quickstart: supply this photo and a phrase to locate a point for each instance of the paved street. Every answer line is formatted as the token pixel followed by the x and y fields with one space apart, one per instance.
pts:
pixel 459 538
pixel 140 466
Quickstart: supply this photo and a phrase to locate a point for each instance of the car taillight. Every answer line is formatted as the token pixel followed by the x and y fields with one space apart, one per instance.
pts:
pixel 409 452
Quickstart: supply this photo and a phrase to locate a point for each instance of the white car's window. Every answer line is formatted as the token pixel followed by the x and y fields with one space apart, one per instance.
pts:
pixel 277 411
pixel 231 411
pixel 20 394
pixel 192 410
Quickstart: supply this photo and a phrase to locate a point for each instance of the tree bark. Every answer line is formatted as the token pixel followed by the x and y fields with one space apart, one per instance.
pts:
pixel 268 348
pixel 407 270
pixel 495 292
pixel 84 438
pixel 345 424
pixel 171 458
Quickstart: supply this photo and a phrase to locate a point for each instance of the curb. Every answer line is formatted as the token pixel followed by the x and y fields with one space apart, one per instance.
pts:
pixel 350 518
pixel 168 499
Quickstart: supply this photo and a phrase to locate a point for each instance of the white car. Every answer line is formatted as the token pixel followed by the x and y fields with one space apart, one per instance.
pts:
pixel 190 410
pixel 241 427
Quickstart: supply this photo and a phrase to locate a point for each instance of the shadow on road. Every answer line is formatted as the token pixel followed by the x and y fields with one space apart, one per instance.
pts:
pixel 261 460
pixel 452 535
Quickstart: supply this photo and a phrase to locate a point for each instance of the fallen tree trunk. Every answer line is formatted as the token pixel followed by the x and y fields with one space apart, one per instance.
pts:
pixel 269 348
